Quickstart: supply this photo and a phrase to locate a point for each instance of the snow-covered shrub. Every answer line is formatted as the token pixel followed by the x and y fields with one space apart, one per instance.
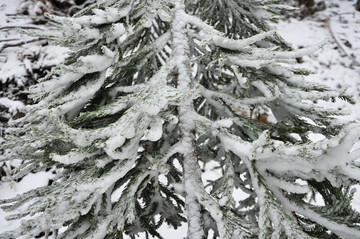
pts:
pixel 153 87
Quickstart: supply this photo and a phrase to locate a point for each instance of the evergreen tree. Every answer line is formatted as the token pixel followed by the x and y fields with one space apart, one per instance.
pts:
pixel 153 87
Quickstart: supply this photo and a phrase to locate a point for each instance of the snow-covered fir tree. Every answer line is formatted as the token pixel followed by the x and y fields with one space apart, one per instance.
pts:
pixel 151 90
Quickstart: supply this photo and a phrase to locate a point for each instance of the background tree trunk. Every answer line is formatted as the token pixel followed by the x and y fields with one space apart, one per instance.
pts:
pixel 357 7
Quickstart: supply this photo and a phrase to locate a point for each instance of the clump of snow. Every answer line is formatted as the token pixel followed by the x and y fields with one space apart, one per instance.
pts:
pixel 225 123
pixel 117 30
pixel 155 131
pixel 13 105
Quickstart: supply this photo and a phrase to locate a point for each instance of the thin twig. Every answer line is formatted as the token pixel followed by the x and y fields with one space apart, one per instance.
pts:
pixel 337 41
pixel 340 44
pixel 22 27
pixel 7 45
pixel 12 39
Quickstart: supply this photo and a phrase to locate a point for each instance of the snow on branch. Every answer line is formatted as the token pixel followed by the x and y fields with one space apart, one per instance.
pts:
pixel 151 91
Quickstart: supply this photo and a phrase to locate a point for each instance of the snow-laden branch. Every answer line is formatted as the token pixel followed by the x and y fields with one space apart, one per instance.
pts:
pixel 340 229
pixel 261 58
pixel 3 46
pixel 275 54
pixel 108 15
pixel 85 65
pixel 296 161
pixel 268 207
pixel 77 199
pixel 246 102
pixel 213 37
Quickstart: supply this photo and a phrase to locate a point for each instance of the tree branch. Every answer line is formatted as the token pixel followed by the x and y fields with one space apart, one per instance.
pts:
pixel 7 45
pixel 21 27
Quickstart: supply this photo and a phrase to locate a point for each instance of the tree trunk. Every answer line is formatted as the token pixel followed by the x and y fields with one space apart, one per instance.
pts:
pixel 357 7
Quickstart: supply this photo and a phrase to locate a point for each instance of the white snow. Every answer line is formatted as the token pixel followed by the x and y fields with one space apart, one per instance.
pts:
pixel 12 105
pixel 155 131
pixel 331 67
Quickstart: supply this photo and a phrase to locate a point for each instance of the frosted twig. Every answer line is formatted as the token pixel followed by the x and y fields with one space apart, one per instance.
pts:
pixel 340 44
pixel 7 45
pixel 22 27
pixel 217 38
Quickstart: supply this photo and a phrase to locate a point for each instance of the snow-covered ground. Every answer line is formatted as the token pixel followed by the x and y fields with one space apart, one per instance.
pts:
pixel 337 65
